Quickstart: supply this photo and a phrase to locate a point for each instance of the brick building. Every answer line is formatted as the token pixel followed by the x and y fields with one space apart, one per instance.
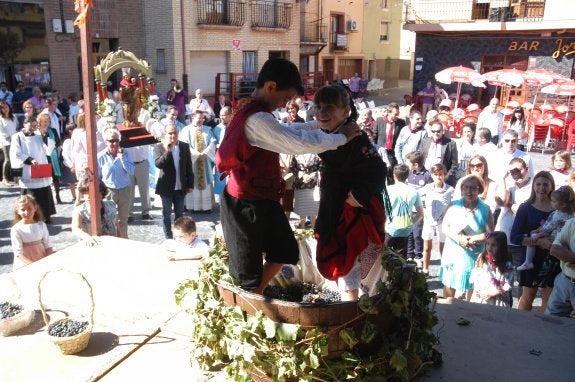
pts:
pixel 50 56
pixel 192 41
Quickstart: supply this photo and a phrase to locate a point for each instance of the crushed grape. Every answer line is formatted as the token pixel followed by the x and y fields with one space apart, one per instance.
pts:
pixel 8 309
pixel 302 292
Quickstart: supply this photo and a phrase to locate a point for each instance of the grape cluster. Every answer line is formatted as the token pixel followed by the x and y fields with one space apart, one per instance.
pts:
pixel 67 328
pixel 302 292
pixel 9 310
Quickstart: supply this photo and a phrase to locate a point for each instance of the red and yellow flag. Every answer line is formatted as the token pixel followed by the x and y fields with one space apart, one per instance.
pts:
pixel 81 7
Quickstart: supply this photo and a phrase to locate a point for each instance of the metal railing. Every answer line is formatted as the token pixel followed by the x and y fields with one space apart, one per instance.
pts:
pixel 271 14
pixel 221 12
pixel 240 85
pixel 440 11
pixel 314 32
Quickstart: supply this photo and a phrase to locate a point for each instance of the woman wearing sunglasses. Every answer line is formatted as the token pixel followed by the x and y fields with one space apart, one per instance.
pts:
pixel 477 165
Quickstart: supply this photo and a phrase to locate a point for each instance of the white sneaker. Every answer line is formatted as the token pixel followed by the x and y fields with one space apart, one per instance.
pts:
pixel 419 262
pixel 525 267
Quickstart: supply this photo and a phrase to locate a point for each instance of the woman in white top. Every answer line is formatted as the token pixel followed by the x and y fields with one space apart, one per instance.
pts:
pixel 465 149
pixel 519 124
pixel 29 150
pixel 8 127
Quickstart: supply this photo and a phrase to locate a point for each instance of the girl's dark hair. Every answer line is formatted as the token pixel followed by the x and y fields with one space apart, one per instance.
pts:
pixel 10 115
pixel 502 257
pixel 565 195
pixel 518 109
pixel 472 126
pixel 83 186
pixel 336 95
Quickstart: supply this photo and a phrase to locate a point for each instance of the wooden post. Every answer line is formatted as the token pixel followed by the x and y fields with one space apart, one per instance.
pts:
pixel 91 127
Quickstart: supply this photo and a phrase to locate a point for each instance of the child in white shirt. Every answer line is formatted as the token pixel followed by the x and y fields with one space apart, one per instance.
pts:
pixel 186 244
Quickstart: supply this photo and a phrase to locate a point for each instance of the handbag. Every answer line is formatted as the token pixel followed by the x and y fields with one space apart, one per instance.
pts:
pixel 550 268
pixel 41 171
pixel 16 172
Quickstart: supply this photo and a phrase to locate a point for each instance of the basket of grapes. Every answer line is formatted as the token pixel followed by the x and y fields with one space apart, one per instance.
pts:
pixel 71 333
pixel 13 316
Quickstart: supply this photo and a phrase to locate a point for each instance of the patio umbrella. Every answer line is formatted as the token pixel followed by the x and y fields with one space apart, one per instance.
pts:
pixel 566 88
pixel 461 75
pixel 542 77
pixel 505 77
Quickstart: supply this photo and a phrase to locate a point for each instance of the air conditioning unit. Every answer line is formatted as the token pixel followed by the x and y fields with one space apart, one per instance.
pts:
pixel 382 37
pixel 352 26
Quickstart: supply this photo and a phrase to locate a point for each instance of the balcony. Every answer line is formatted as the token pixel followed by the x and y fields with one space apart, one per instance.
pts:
pixel 271 14
pixel 314 33
pixel 338 42
pixel 463 11
pixel 221 12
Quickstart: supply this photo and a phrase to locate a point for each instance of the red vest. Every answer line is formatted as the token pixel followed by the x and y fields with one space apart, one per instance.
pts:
pixel 254 173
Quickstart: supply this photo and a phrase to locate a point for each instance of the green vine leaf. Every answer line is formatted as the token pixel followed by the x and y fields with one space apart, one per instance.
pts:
pixel 229 339
pixel 398 360
pixel 367 305
pixel 287 332
pixel 348 336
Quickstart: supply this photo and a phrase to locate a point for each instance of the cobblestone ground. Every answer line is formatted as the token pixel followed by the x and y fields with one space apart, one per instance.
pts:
pixel 142 230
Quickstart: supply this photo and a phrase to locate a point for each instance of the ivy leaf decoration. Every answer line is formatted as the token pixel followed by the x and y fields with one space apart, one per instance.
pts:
pixel 270 328
pixel 287 332
pixel 398 360
pixel 367 305
pixel 348 336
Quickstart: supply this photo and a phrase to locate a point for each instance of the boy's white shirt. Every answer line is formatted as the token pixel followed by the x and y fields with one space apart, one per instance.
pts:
pixel 182 251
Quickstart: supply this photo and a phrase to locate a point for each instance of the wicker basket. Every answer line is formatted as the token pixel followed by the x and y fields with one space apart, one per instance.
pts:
pixel 19 321
pixel 73 344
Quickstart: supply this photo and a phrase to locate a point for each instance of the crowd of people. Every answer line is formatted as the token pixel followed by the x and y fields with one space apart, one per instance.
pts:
pixel 478 196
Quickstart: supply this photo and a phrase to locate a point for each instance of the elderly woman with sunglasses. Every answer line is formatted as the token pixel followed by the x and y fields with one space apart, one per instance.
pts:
pixel 466 225
pixel 477 165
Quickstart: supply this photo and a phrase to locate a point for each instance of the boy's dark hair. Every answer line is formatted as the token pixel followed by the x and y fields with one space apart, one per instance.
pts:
pixel 437 168
pixel 281 71
pixel 401 172
pixel 185 224
pixel 416 157
pixel 30 118
pixel 484 133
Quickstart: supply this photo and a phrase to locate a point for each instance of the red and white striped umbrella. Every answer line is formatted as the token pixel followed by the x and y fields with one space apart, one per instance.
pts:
pixel 461 75
pixel 563 89
pixel 504 77
pixel 542 77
